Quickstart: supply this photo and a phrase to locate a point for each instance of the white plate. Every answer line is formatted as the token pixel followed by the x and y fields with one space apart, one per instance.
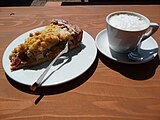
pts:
pixel 148 49
pixel 65 69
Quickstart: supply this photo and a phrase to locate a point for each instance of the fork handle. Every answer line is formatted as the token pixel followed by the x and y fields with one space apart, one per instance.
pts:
pixel 37 83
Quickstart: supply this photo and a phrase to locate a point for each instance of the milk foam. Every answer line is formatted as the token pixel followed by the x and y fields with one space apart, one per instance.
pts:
pixel 128 22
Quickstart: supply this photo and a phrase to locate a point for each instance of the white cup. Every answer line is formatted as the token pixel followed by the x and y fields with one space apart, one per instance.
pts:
pixel 127 29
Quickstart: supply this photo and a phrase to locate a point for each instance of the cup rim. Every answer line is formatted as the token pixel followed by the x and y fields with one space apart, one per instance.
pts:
pixel 129 12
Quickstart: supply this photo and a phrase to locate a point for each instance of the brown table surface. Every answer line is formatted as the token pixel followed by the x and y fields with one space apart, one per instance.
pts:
pixel 106 91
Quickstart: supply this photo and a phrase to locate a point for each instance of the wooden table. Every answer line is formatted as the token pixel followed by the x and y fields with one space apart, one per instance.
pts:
pixel 107 91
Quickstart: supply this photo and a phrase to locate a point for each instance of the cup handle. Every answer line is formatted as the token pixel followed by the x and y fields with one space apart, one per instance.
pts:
pixel 154 27
pixel 135 55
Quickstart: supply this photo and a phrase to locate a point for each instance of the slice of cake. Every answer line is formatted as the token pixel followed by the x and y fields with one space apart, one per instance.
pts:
pixel 45 45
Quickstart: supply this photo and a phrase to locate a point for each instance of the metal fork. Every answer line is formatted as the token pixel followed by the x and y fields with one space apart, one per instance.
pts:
pixel 39 80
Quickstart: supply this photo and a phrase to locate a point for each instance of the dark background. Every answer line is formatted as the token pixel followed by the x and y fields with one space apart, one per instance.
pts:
pixel 7 3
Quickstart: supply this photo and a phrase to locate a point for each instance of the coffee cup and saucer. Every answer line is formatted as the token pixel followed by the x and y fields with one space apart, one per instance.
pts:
pixel 128 38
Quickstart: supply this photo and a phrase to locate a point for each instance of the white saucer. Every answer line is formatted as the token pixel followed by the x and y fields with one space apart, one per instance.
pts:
pixel 148 49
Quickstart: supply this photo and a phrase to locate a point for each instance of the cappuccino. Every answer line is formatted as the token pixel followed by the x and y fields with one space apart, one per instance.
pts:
pixel 126 30
pixel 129 22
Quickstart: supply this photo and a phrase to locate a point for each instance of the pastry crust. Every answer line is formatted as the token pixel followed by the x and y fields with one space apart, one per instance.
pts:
pixel 45 45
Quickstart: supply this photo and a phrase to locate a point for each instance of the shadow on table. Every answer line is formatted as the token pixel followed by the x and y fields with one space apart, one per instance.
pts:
pixel 142 71
pixel 61 88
